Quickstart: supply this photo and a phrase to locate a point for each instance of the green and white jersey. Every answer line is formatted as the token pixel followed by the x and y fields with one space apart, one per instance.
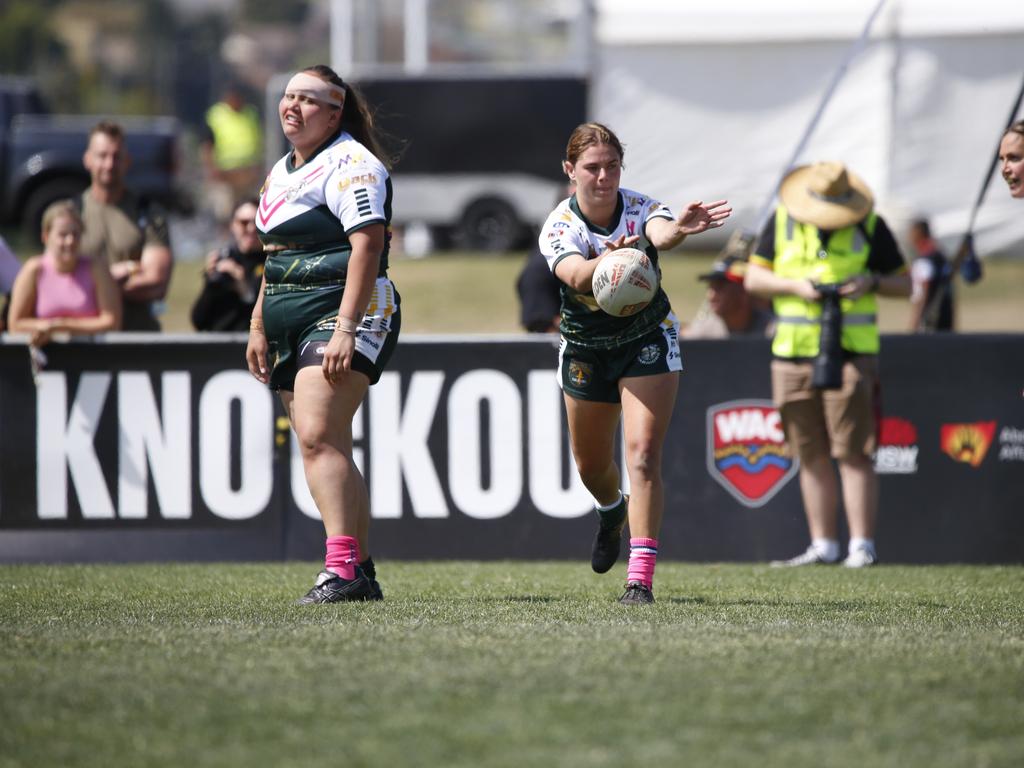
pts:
pixel 313 209
pixel 566 232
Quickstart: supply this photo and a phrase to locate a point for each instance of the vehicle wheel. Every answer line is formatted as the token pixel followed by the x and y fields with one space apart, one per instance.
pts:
pixel 49 192
pixel 490 224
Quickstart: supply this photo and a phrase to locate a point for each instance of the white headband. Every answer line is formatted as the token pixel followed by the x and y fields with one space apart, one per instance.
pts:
pixel 313 87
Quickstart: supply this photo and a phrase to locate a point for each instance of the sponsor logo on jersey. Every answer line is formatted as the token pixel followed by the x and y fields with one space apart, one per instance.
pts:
pixel 631 228
pixel 560 225
pixel 649 355
pixel 747 452
pixel 580 373
pixel 897 447
pixel 967 443
pixel 351 158
pixel 1011 444
pixel 364 179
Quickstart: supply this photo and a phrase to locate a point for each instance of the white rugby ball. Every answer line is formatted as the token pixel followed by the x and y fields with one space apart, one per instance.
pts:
pixel 624 282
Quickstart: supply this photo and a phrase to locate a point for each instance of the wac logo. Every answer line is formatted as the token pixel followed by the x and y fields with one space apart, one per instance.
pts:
pixel 967 442
pixel 747 452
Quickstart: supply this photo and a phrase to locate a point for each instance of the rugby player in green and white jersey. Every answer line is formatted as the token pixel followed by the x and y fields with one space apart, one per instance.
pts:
pixel 327 317
pixel 610 366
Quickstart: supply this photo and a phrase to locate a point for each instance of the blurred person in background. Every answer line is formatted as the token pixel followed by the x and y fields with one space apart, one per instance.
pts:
pixel 825 236
pixel 611 367
pixel 1011 156
pixel 126 232
pixel 232 276
pixel 62 291
pixel 327 316
pixel 931 296
pixel 539 291
pixel 731 311
pixel 232 152
pixel 9 267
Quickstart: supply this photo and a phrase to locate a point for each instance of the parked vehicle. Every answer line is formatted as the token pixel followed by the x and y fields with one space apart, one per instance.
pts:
pixel 41 155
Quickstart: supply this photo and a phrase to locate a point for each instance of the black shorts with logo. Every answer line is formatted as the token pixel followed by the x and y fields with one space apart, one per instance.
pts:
pixel 594 374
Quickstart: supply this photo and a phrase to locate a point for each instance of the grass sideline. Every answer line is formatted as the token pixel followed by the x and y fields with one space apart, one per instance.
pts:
pixel 475 293
pixel 512 664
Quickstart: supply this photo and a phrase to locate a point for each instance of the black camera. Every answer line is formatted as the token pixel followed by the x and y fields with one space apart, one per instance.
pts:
pixel 828 365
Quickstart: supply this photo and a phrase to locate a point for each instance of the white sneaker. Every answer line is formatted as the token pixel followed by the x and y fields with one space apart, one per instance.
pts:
pixel 860 558
pixel 811 557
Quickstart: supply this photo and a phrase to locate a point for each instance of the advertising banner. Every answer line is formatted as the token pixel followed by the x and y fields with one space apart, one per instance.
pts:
pixel 166 449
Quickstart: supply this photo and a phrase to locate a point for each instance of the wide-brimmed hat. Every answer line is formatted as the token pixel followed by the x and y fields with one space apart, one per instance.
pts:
pixel 826 195
pixel 731 268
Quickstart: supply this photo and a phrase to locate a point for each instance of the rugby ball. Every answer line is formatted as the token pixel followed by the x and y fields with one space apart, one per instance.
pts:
pixel 624 282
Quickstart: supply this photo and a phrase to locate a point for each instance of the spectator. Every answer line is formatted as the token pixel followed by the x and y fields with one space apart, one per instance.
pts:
pixel 232 152
pixel 9 266
pixel 1011 155
pixel 539 291
pixel 124 231
pixel 61 290
pixel 731 310
pixel 931 297
pixel 232 276
pixel 825 241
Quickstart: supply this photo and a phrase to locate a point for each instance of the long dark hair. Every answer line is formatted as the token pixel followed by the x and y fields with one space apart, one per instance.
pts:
pixel 356 117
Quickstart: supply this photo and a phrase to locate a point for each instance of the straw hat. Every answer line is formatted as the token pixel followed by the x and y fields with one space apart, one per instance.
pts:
pixel 826 195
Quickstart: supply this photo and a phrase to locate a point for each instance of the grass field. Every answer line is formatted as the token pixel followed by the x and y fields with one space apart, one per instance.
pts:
pixel 502 664
pixel 474 293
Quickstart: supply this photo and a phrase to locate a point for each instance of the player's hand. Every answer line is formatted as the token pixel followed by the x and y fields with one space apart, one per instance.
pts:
pixel 256 355
pixel 338 356
pixel 622 241
pixel 698 217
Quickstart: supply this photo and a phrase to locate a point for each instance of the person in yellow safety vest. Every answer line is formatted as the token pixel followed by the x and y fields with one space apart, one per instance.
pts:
pixel 826 233
pixel 232 152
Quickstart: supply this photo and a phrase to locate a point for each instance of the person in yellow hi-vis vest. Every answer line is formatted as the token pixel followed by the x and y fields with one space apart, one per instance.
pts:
pixel 232 152
pixel 825 246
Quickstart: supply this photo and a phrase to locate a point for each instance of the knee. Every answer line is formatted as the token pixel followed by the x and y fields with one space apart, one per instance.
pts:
pixel 312 441
pixel 591 470
pixel 643 458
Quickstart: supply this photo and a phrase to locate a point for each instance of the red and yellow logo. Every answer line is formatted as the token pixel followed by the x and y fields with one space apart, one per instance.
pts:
pixel 967 442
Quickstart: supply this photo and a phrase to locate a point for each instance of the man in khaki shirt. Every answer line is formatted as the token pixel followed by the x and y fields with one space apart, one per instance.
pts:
pixel 127 232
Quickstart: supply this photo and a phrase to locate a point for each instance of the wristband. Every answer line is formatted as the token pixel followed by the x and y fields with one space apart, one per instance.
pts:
pixel 256 324
pixel 345 325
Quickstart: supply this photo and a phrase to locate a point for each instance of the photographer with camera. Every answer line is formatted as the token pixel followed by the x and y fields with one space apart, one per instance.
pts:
pixel 822 258
pixel 232 276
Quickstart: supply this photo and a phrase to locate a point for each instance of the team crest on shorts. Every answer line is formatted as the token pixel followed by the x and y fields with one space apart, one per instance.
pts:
pixel 649 355
pixel 580 373
pixel 747 451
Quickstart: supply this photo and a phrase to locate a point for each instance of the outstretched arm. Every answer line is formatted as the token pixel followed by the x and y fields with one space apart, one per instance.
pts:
pixel 692 220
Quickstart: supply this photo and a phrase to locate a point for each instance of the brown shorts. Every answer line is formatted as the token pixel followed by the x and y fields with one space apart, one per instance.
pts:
pixel 841 422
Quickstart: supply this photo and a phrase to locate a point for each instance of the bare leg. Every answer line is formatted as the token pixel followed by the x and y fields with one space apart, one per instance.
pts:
pixel 860 495
pixel 821 496
pixel 647 403
pixel 592 435
pixel 321 415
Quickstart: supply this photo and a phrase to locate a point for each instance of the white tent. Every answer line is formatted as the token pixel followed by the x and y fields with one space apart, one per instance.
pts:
pixel 711 101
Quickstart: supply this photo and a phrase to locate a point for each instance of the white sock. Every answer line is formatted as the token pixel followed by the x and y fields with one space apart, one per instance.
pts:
pixel 613 505
pixel 827 548
pixel 858 543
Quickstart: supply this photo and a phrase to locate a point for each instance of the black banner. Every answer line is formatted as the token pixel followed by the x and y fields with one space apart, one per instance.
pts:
pixel 168 449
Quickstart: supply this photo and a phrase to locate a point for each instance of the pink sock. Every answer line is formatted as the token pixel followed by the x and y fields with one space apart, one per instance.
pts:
pixel 342 556
pixel 642 555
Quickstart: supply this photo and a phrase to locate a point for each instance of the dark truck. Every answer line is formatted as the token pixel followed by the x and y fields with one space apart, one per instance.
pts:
pixel 41 155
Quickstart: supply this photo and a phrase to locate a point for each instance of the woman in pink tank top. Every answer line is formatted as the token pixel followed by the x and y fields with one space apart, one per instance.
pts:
pixel 60 290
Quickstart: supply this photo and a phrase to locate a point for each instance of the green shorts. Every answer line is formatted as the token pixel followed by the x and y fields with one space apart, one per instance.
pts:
pixel 299 324
pixel 594 374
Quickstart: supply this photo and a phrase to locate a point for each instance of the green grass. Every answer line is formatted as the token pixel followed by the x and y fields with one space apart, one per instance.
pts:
pixel 475 293
pixel 506 664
